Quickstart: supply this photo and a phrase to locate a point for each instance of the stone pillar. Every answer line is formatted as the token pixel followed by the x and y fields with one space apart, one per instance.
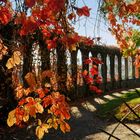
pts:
pixel 61 69
pixel 126 69
pixel 74 72
pixel 85 55
pixel 112 71
pixel 45 59
pixel 119 70
pixel 133 68
pixel 27 63
pixel 104 71
pixel 126 72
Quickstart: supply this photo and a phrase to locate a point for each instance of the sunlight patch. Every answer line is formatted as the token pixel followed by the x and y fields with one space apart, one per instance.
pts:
pixel 75 112
pixel 117 94
pixel 108 97
pixel 99 101
pixel 88 106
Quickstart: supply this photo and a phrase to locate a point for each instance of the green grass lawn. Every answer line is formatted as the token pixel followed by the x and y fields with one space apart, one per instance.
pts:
pixel 118 108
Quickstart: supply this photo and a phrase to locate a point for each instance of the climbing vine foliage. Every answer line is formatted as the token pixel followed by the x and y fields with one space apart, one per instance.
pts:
pixel 124 20
pixel 46 22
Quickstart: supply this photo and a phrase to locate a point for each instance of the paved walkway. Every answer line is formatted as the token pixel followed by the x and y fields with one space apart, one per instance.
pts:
pixel 85 124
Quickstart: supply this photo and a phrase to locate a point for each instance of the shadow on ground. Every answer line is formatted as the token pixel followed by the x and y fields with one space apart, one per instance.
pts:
pixel 85 124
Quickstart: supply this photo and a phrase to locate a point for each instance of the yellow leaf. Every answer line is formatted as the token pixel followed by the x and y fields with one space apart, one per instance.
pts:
pixel 26 118
pixel 14 60
pixel 11 118
pixel 49 111
pixel 49 120
pixel 67 127
pixel 10 63
pixel 27 91
pixel 39 122
pixel 39 108
pixel 64 127
pixel 11 121
pixel 55 125
pixel 39 132
pixel 45 127
pixel 17 57
pixel 73 47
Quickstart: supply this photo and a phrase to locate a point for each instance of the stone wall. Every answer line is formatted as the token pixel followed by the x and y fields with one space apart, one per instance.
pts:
pixel 116 71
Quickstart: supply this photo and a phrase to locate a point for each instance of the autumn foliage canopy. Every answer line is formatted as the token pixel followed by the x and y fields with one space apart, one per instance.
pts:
pixel 48 22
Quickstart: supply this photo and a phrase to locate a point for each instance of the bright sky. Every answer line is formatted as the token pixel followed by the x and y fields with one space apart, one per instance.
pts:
pixel 92 27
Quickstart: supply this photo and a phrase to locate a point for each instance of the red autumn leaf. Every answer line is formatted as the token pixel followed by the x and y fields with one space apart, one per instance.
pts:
pixel 28 26
pixel 71 16
pixel 47 101
pixel 85 73
pixel 84 11
pixel 99 92
pixel 87 41
pixel 93 88
pixel 5 15
pixel 64 127
pixel 112 19
pixel 22 102
pixel 87 61
pixel 51 43
pixel 55 5
pixel 93 71
pixel 89 80
pixel 96 60
pixel 30 3
pixel 40 92
pixel 19 113
pixel 32 111
pixel 46 73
